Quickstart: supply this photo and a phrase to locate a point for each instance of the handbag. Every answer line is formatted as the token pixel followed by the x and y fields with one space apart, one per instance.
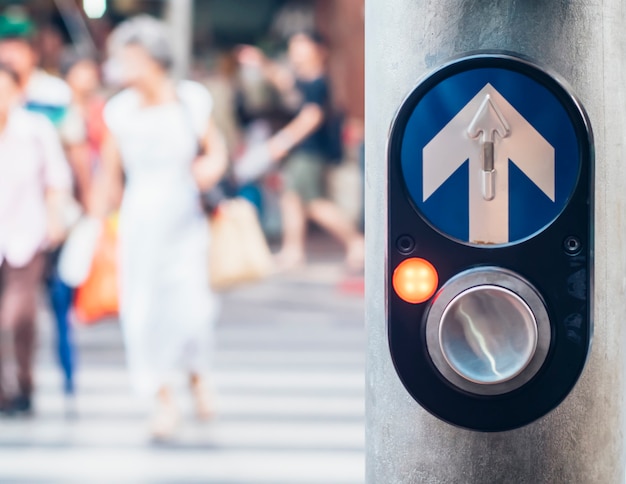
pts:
pixel 238 252
pixel 78 251
pixel 97 298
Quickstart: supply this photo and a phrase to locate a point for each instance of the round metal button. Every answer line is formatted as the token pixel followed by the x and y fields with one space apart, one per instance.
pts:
pixel 488 331
pixel 488 334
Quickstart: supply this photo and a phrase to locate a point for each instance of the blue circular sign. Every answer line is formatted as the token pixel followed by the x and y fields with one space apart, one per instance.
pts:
pixel 490 154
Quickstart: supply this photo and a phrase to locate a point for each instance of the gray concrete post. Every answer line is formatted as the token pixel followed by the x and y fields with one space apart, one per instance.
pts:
pixel 582 441
pixel 179 17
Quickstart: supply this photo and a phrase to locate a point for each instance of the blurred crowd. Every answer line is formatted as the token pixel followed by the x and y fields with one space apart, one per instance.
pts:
pixel 88 143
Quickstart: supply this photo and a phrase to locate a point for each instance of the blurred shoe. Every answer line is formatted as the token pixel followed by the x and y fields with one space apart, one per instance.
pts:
pixel 203 401
pixel 165 420
pixel 289 260
pixel 4 407
pixel 69 387
pixel 19 405
pixel 352 285
pixel 355 256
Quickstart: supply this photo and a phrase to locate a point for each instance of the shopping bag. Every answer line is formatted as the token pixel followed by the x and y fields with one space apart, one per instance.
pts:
pixel 97 297
pixel 253 164
pixel 239 252
pixel 78 251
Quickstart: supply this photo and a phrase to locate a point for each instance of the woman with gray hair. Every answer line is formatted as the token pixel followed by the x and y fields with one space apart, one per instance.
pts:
pixel 161 150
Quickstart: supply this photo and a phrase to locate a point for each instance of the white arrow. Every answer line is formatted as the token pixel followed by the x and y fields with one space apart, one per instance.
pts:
pixel 488 121
pixel 489 114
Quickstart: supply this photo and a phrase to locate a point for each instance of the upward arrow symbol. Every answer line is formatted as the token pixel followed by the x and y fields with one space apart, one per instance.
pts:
pixel 488 119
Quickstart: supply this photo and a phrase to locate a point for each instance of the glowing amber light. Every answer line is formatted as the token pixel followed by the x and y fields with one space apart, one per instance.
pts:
pixel 415 280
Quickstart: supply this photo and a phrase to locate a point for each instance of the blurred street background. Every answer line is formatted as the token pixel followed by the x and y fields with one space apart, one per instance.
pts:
pixel 289 370
pixel 206 35
pixel 288 364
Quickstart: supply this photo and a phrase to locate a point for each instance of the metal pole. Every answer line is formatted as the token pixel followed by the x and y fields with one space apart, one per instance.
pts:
pixel 76 27
pixel 582 441
pixel 179 16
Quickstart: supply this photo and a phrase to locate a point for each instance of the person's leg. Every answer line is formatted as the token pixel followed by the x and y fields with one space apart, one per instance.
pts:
pixel 19 311
pixel 294 230
pixel 202 396
pixel 296 174
pixel 328 216
pixel 3 330
pixel 61 302
pixel 166 415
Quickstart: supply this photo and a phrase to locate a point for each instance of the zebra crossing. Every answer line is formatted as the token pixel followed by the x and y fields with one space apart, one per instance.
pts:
pixel 288 370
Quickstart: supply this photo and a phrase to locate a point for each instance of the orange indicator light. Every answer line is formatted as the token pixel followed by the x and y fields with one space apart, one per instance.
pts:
pixel 415 280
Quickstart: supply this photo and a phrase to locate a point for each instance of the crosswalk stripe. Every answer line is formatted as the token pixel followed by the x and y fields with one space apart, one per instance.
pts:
pixel 290 385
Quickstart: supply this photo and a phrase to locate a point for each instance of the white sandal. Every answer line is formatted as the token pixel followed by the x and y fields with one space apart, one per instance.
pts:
pixel 203 400
pixel 165 421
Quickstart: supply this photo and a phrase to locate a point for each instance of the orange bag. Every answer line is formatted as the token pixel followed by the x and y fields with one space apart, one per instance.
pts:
pixel 97 297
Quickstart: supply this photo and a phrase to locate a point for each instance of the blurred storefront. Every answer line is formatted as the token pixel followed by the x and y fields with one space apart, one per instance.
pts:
pixel 205 33
pixel 221 24
pixel 343 23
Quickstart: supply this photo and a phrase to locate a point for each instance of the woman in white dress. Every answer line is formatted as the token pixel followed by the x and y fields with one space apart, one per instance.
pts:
pixel 157 128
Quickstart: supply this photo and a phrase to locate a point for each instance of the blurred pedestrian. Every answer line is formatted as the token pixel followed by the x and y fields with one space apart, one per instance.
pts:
pixel 46 94
pixel 50 46
pixel 34 180
pixel 83 127
pixel 161 136
pixel 40 91
pixel 303 144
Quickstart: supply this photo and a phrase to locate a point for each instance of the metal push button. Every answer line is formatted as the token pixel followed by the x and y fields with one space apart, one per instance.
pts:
pixel 488 331
pixel 488 334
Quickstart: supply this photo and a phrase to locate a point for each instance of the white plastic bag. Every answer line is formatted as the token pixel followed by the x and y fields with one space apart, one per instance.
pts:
pixel 255 161
pixel 77 252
